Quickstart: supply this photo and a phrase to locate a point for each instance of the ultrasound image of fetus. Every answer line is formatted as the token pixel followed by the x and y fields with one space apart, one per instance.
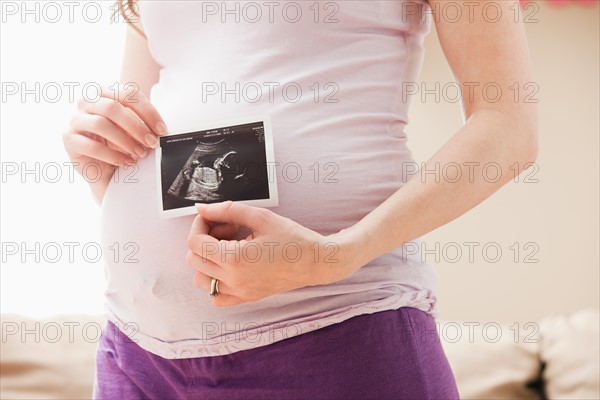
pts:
pixel 206 173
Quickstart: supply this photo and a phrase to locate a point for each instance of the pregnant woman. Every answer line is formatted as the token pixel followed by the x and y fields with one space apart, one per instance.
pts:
pixel 315 298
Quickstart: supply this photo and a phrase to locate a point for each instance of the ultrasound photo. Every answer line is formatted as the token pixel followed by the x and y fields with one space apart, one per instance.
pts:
pixel 216 164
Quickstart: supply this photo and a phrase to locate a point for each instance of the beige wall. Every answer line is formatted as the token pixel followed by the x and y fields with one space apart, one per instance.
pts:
pixel 559 213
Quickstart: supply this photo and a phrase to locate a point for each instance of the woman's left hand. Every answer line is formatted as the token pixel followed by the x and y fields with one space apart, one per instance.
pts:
pixel 278 256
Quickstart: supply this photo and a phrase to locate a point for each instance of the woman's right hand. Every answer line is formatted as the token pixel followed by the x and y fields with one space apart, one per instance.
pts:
pixel 112 132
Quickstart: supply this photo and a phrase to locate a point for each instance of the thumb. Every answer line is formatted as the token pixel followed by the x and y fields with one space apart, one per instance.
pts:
pixel 234 213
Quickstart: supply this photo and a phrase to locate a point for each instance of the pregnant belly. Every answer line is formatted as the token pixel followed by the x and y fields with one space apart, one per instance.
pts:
pixel 153 288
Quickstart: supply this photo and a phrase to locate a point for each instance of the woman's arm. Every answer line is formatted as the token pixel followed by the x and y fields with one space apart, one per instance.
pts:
pixel 122 126
pixel 140 68
pixel 138 64
pixel 504 132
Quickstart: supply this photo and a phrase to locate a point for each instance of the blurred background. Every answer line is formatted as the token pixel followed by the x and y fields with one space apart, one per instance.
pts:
pixel 551 213
pixel 545 224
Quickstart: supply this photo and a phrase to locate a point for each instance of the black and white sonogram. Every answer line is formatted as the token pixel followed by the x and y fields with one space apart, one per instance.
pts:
pixel 217 164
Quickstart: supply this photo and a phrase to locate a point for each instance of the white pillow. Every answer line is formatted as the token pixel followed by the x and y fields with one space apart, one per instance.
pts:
pixel 52 358
pixel 570 352
pixel 493 361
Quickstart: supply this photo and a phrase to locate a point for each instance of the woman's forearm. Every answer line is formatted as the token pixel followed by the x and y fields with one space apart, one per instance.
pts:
pixel 505 141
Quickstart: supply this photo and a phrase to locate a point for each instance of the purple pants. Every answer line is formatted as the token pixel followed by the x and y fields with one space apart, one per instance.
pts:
pixel 386 355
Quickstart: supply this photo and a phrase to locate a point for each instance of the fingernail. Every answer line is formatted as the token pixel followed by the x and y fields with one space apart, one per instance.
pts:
pixel 151 140
pixel 140 151
pixel 161 128
pixel 130 162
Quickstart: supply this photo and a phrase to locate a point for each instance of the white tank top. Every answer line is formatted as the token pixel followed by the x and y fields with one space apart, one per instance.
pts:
pixel 330 75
